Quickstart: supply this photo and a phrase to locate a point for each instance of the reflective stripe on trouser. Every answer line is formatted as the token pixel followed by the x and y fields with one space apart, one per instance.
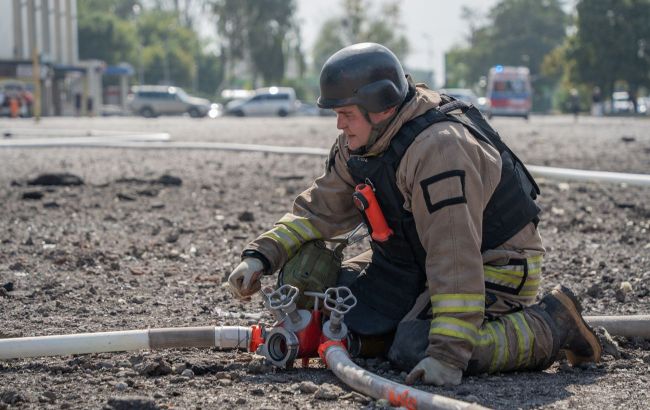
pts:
pixel 516 341
pixel 511 287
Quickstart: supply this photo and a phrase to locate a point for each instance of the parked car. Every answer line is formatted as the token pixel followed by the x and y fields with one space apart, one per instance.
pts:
pixel 468 96
pixel 643 105
pixel 154 100
pixel 280 101
pixel 463 94
pixel 621 103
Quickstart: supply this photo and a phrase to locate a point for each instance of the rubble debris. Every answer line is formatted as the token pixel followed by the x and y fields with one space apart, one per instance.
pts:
pixel 56 179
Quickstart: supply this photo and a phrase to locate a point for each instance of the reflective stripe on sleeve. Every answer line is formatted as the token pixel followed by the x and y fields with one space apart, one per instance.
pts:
pixel 301 226
pixel 285 237
pixel 457 303
pixel 450 326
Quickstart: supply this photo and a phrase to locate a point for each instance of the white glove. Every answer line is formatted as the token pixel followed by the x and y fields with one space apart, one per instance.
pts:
pixel 432 371
pixel 245 279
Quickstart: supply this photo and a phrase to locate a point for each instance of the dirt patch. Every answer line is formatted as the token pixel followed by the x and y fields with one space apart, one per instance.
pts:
pixel 129 249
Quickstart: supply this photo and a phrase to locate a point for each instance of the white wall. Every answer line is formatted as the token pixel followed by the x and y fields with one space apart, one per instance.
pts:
pixel 6 30
pixel 63 47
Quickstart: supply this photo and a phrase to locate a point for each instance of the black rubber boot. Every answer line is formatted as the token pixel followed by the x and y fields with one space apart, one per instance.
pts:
pixel 576 338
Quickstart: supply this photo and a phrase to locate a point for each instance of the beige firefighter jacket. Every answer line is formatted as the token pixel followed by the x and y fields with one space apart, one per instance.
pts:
pixel 450 235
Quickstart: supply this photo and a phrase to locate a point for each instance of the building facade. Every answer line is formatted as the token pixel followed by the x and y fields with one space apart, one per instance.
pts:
pixel 39 49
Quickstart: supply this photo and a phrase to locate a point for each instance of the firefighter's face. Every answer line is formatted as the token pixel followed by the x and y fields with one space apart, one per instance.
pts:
pixel 355 126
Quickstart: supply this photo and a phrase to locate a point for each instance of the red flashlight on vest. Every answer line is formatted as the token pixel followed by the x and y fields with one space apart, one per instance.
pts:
pixel 366 201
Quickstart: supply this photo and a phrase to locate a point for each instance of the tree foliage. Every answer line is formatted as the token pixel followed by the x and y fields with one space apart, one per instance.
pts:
pixel 355 25
pixel 258 32
pixel 155 40
pixel 106 37
pixel 515 32
pixel 122 9
pixel 612 43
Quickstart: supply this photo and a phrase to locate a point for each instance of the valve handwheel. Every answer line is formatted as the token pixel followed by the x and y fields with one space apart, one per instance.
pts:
pixel 340 300
pixel 283 297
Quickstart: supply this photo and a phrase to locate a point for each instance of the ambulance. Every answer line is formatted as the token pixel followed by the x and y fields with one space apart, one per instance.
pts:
pixel 509 92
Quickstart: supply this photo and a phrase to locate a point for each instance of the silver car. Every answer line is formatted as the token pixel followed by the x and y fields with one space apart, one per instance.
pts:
pixel 280 101
pixel 154 100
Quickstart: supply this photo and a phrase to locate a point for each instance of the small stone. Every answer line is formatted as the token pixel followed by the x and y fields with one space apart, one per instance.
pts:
pixel 170 180
pixel 595 291
pixel 11 397
pixel 307 387
pixel 246 216
pixel 172 237
pixel 240 401
pixel 257 392
pixel 188 373
pixel 471 399
pixel 224 382
pixel 125 197
pixel 130 403
pixel 609 345
pixel 9 286
pixel 50 395
pixel 327 392
pixel 382 404
pixel 105 365
pixel 33 195
pixel 121 386
pixel 626 287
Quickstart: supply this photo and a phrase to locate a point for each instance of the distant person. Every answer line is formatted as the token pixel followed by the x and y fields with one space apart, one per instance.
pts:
pixel 14 106
pixel 451 286
pixel 77 104
pixel 574 103
pixel 596 102
pixel 89 107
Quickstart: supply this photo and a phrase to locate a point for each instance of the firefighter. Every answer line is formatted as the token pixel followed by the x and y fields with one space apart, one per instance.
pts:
pixel 452 285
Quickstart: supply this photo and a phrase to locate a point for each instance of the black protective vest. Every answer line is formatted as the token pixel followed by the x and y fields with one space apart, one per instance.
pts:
pixel 397 273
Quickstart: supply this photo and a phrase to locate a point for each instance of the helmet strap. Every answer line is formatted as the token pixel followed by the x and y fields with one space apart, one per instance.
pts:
pixel 377 128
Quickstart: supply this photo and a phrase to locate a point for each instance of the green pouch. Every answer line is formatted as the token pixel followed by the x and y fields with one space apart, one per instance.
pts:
pixel 315 267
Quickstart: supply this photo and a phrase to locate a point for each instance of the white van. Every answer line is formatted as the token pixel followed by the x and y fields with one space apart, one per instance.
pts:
pixel 509 91
pixel 280 101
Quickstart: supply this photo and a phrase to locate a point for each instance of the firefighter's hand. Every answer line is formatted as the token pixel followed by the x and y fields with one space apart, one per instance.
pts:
pixel 432 371
pixel 245 279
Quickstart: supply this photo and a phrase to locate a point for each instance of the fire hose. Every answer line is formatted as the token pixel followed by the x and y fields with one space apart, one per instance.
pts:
pixel 296 334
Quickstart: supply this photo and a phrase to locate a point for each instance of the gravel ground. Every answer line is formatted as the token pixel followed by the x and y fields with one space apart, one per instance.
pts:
pixel 150 236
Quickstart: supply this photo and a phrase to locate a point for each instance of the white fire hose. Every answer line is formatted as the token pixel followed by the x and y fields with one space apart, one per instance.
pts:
pixel 224 337
pixel 161 141
pixel 398 395
pixel 239 337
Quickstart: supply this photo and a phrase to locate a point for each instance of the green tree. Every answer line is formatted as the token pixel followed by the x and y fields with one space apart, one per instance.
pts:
pixel 357 24
pixel 612 43
pixel 106 37
pixel 122 9
pixel 515 32
pixel 258 32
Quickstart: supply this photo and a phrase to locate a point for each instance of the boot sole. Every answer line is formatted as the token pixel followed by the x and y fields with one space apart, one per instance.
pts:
pixel 569 301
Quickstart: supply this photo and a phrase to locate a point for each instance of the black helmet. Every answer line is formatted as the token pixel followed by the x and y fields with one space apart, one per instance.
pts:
pixel 365 74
